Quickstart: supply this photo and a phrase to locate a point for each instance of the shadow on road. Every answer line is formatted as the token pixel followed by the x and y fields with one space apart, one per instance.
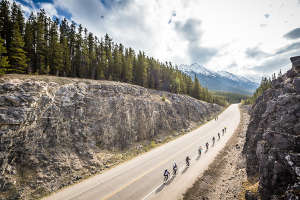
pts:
pixel 165 184
pixel 198 157
pixel 206 150
pixel 160 188
pixel 185 169
pixel 171 180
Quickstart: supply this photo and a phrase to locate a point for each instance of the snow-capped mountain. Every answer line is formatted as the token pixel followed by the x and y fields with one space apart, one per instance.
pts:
pixel 221 80
pixel 196 68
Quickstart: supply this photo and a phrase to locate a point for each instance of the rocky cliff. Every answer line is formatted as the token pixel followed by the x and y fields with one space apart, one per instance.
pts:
pixel 54 131
pixel 273 138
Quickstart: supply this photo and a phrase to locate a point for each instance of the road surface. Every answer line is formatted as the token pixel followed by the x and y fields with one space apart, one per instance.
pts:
pixel 142 177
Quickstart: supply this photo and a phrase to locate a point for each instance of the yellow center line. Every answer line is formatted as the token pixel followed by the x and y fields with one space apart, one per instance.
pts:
pixel 145 173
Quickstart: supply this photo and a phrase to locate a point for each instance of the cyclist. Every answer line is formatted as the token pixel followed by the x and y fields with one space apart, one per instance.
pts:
pixel 218 135
pixel 200 150
pixel 213 139
pixel 187 161
pixel 166 174
pixel 174 168
pixel 207 145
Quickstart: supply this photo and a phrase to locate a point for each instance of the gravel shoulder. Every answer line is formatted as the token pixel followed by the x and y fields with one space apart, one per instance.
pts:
pixel 226 176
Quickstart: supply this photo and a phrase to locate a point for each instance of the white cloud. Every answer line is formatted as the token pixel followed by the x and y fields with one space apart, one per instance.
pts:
pixel 49 8
pixel 227 29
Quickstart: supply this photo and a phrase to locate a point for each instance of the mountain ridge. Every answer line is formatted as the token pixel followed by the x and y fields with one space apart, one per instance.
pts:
pixel 219 80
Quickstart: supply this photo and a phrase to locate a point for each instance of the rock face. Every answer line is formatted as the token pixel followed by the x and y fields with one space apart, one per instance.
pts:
pixel 54 130
pixel 296 63
pixel 273 139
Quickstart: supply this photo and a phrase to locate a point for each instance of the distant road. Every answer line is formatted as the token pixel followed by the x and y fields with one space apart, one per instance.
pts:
pixel 142 177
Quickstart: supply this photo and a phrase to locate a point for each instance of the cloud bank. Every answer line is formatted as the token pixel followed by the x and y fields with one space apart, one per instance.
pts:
pixel 246 38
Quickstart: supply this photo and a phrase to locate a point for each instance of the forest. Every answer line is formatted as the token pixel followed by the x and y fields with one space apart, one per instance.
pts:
pixel 39 44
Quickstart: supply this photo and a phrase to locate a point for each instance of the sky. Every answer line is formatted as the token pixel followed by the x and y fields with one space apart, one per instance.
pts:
pixel 253 38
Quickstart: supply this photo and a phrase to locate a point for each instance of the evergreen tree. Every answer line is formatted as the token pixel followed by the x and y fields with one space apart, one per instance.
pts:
pixel 85 56
pixel 56 50
pixel 72 45
pixel 117 64
pixel 141 70
pixel 5 23
pixel 78 51
pixel 196 88
pixel 91 56
pixel 17 17
pixel 41 48
pixel 30 43
pixel 103 64
pixel 108 50
pixel 64 30
pixel 3 58
pixel 17 57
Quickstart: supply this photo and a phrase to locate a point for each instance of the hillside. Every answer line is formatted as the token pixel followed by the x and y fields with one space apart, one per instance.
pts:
pixel 56 131
pixel 272 140
pixel 220 81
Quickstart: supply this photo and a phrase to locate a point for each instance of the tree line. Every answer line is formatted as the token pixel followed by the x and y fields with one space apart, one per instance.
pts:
pixel 42 45
pixel 266 83
pixel 231 97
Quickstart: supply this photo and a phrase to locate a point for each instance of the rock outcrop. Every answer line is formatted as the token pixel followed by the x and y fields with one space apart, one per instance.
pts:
pixel 53 131
pixel 273 139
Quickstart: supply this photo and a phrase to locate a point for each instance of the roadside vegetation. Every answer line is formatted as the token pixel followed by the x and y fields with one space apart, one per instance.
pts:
pixel 41 45
pixel 265 84
pixel 231 97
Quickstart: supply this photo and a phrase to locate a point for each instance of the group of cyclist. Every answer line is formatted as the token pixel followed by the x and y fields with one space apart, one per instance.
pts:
pixel 187 159
pixel 175 168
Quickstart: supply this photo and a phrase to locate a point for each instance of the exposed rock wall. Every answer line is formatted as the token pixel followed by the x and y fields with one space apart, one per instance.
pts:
pixel 51 128
pixel 273 139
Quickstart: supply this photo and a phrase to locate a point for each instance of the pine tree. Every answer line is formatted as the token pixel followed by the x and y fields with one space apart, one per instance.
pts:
pixel 30 43
pixel 98 56
pixel 91 56
pixel 17 17
pixel 64 30
pixel 102 64
pixel 17 57
pixel 72 46
pixel 78 53
pixel 85 56
pixel 117 64
pixel 3 58
pixel 196 88
pixel 141 69
pixel 66 57
pixel 108 51
pixel 41 50
pixel 5 23
pixel 56 51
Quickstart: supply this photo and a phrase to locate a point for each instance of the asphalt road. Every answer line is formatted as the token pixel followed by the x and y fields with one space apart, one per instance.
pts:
pixel 142 177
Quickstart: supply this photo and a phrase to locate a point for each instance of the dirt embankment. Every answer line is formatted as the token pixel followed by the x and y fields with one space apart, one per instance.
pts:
pixel 226 176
